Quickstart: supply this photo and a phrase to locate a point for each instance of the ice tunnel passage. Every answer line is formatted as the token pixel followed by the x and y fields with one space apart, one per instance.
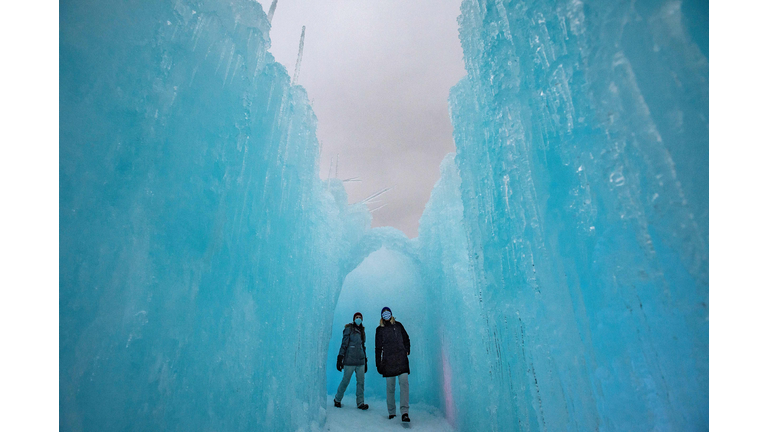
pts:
pixel 563 253
pixel 389 276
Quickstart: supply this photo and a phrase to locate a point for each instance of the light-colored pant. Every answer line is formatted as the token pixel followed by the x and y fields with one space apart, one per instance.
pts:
pixel 403 378
pixel 359 377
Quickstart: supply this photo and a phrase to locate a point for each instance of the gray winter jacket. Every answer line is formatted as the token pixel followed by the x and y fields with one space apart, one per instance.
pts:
pixel 353 345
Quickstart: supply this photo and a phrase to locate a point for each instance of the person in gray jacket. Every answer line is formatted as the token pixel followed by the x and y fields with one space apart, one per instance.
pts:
pixel 352 358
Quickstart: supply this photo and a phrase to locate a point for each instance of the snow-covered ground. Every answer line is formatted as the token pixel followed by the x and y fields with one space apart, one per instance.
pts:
pixel 349 418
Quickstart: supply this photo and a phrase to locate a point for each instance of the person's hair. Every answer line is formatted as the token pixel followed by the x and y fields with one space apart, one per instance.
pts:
pixel 361 327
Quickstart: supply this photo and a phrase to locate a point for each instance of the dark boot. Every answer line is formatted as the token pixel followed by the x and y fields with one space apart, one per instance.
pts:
pixel 362 406
pixel 406 418
pixel 336 403
pixel 391 416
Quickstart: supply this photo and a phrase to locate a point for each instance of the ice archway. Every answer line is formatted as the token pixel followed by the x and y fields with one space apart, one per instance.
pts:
pixel 374 239
pixel 383 267
pixel 388 278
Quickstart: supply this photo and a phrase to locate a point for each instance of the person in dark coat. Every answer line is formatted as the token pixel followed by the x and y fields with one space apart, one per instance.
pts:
pixel 352 358
pixel 393 346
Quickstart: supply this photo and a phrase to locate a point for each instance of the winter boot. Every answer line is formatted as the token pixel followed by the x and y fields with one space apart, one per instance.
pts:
pixel 336 403
pixel 391 416
pixel 362 406
pixel 406 418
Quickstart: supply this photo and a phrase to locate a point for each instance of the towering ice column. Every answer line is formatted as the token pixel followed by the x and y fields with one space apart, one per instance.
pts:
pixel 582 148
pixel 196 239
pixel 465 354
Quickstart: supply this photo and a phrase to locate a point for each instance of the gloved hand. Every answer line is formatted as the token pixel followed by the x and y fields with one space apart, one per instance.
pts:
pixel 340 363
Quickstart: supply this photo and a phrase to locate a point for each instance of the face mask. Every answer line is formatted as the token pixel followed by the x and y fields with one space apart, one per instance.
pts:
pixel 358 321
pixel 386 315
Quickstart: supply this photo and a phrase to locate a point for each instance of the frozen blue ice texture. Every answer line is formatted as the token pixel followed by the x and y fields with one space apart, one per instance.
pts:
pixel 559 281
pixel 581 274
pixel 199 249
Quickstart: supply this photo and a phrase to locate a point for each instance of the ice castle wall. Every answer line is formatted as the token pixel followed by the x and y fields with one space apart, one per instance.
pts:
pixel 577 257
pixel 196 240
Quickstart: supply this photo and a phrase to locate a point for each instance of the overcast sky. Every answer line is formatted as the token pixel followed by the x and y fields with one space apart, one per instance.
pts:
pixel 378 74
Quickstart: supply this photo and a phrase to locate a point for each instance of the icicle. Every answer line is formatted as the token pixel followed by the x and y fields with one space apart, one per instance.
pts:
pixel 379 207
pixel 381 192
pixel 271 11
pixel 298 60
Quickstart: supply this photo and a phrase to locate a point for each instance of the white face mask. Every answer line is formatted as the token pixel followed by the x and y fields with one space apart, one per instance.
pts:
pixel 386 315
pixel 358 321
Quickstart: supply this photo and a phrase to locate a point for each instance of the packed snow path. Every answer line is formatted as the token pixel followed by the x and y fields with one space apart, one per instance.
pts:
pixel 349 418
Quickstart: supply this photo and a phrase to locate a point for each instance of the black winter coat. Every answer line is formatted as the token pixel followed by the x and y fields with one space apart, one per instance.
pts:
pixel 393 346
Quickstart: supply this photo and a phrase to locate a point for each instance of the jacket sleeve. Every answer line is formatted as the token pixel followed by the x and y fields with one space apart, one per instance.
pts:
pixel 378 348
pixel 406 340
pixel 344 342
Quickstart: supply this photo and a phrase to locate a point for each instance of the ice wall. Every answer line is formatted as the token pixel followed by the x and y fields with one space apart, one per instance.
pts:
pixel 465 354
pixel 197 243
pixel 576 260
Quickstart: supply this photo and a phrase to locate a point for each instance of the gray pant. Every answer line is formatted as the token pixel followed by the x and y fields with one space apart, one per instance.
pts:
pixel 403 378
pixel 359 377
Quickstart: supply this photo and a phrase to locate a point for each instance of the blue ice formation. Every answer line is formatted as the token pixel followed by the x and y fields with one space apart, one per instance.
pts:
pixel 569 233
pixel 560 276
pixel 198 247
